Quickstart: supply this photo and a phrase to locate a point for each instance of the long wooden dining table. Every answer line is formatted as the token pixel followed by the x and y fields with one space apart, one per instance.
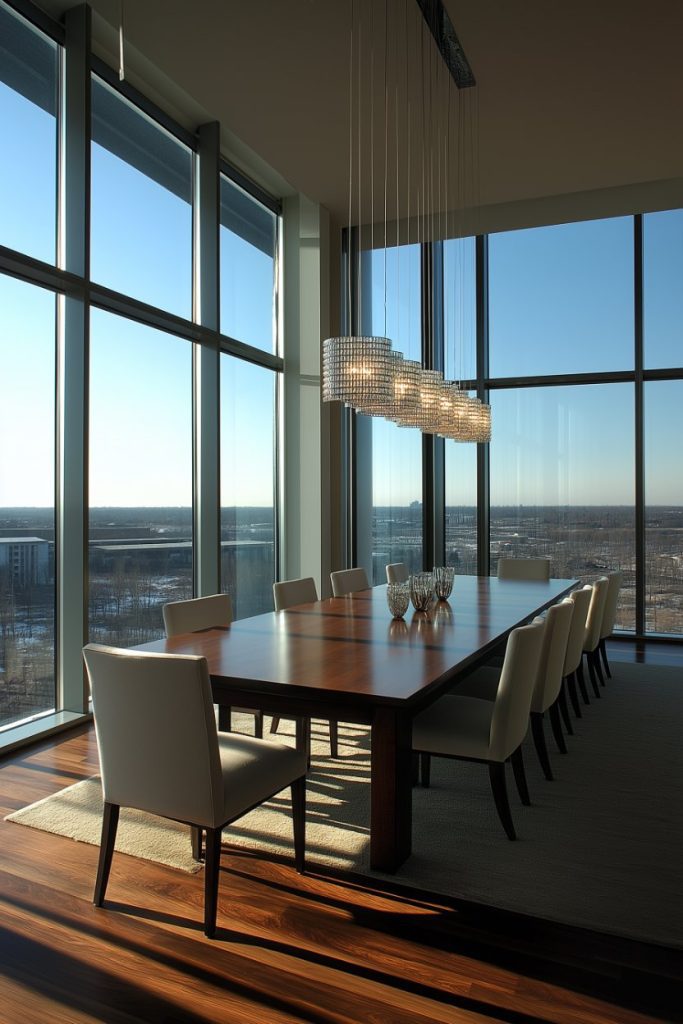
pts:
pixel 347 660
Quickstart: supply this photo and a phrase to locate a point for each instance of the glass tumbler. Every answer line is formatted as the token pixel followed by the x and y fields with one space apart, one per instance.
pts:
pixel 398 598
pixel 421 590
pixel 443 581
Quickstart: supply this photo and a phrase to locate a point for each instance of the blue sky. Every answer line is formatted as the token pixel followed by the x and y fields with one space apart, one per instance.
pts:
pixel 561 300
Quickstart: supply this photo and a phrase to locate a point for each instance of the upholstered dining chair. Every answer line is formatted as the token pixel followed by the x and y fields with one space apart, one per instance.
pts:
pixel 348 581
pixel 523 568
pixel 572 672
pixel 596 611
pixel 397 572
pixel 287 594
pixel 548 688
pixel 609 615
pixel 490 732
pixel 160 752
pixel 199 613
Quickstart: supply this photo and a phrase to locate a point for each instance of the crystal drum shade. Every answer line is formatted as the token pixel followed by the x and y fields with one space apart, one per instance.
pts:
pixel 358 371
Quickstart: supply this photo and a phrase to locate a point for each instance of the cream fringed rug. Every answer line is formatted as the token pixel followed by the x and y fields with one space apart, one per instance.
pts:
pixel 599 847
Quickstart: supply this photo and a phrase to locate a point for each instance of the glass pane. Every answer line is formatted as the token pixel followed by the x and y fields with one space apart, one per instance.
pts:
pixel 663 507
pixel 248 245
pixel 28 148
pixel 461 507
pixel 396 497
pixel 460 309
pixel 394 309
pixel 561 299
pixel 141 222
pixel 140 547
pixel 662 291
pixel 247 485
pixel 27 502
pixel 562 482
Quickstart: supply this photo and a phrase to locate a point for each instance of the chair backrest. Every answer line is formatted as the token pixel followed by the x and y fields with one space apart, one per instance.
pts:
pixel 523 568
pixel 397 572
pixel 291 592
pixel 596 610
pixel 348 581
pixel 156 733
pixel 510 719
pixel 549 679
pixel 197 613
pixel 581 600
pixel 614 580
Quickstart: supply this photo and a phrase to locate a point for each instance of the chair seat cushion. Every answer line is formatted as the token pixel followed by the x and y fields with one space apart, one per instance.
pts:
pixel 455 726
pixel 255 769
pixel 482 684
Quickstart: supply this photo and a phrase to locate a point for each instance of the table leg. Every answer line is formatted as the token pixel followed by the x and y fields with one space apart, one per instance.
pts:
pixel 391 790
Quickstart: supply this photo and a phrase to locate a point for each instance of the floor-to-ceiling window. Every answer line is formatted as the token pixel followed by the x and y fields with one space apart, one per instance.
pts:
pixel 27 501
pixel 562 457
pixel 392 308
pixel 573 332
pixel 29 100
pixel 165 255
pixel 140 478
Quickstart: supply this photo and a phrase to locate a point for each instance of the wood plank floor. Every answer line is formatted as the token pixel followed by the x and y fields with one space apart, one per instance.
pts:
pixel 313 948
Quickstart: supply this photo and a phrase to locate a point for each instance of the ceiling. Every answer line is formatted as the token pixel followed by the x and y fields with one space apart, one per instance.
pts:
pixel 570 97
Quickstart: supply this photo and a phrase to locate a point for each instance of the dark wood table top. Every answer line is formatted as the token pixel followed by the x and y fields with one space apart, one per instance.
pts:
pixel 349 650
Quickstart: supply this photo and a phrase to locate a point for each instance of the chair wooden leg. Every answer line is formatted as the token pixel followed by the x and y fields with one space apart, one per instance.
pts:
pixel 258 724
pixel 603 651
pixel 211 874
pixel 224 718
pixel 539 742
pixel 425 769
pixel 299 822
pixel 564 709
pixel 582 683
pixel 556 726
pixel 110 821
pixel 334 739
pixel 275 723
pixel 517 761
pixel 197 842
pixel 591 674
pixel 595 658
pixel 573 695
pixel 500 796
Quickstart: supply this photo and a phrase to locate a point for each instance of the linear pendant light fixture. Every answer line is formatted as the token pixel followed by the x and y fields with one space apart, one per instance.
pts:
pixel 357 369
pixel 362 370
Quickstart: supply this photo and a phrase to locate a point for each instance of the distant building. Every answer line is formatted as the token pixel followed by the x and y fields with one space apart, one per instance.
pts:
pixel 26 559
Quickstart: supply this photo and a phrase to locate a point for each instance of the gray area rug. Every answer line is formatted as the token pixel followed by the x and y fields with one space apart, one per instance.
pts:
pixel 600 847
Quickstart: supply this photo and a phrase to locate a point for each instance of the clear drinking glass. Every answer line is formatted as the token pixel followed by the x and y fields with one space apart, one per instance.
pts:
pixel 398 598
pixel 443 581
pixel 421 590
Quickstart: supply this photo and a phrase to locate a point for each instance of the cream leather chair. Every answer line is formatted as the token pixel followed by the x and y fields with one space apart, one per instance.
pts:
pixel 288 594
pixel 523 568
pixel 199 613
pixel 160 752
pixel 596 611
pixel 572 672
pixel 397 572
pixel 491 732
pixel 609 615
pixel 348 581
pixel 549 681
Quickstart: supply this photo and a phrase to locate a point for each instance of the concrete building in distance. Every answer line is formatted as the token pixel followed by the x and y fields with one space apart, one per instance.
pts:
pixel 26 559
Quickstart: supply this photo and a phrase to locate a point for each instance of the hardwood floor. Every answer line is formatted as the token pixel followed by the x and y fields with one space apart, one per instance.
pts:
pixel 314 948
